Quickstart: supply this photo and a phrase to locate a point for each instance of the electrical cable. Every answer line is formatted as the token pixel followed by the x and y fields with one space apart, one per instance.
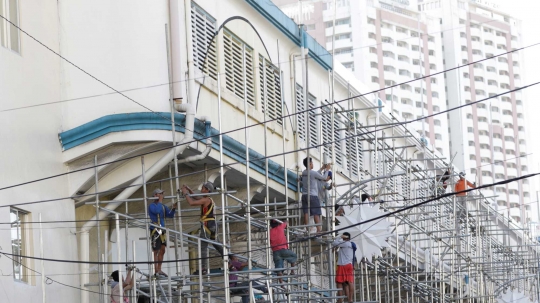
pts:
pixel 298 113
pixel 271 156
pixel 385 215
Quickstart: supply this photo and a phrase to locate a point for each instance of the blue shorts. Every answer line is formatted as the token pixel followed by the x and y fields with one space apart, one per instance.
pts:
pixel 315 205
pixel 283 255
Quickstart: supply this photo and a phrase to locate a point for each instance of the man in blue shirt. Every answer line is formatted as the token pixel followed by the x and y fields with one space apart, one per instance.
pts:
pixel 310 178
pixel 157 212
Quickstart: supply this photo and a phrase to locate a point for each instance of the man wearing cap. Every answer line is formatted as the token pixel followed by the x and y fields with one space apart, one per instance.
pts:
pixel 280 247
pixel 311 177
pixel 344 273
pixel 158 212
pixel 208 219
pixel 461 185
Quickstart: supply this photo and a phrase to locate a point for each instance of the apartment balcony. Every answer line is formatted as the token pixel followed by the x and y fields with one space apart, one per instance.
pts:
pixel 497 142
pixel 344 57
pixel 513 186
pixel 502 66
pixel 515 211
pixel 485 153
pixel 517 82
pixel 499 169
pixel 509 145
pixel 385 32
pixel 389 61
pixel 498 156
pixel 506 106
pixel 342 43
pixel 373 57
pixel 476 45
pixel 525 188
pixel 522 148
pixel 523 161
pixel 511 172
pixel 521 121
pixel 526 201
pixel 477 58
pixel 487 180
pixel 403 78
pixel 465 95
pixel 433 46
pixel 476 32
pixel 370 28
pixel 403 93
pixel 516 70
pixel 508 132
pixel 484 140
pixel 491 89
pixel 480 84
pixel 482 112
pixel 513 198
pixel 483 126
pixel 500 40
pixel 479 71
pixel 490 49
pixel 340 29
pixel 392 77
pixel 507 119
pixel 341 13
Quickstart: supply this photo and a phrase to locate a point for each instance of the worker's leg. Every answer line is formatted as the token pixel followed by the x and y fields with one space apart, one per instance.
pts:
pixel 340 291
pixel 161 254
pixel 289 256
pixel 204 249
pixel 347 290
pixel 316 212
pixel 278 263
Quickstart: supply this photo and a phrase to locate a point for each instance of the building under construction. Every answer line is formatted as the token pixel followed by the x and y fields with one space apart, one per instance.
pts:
pixel 244 96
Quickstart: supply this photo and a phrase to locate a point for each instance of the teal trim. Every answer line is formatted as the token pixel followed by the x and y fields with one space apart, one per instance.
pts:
pixel 285 24
pixel 154 121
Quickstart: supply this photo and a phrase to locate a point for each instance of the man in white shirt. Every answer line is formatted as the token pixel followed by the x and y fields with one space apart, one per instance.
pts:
pixel 344 274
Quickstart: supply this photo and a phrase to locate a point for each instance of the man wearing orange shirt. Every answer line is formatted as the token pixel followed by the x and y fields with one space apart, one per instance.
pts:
pixel 461 185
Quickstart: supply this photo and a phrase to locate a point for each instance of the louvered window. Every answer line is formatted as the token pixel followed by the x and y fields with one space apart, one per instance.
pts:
pixel 301 118
pixel 353 148
pixel 270 86
pixel 239 67
pixel 327 134
pixel 203 27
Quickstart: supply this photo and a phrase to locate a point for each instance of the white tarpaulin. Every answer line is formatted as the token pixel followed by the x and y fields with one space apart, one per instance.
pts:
pixel 369 237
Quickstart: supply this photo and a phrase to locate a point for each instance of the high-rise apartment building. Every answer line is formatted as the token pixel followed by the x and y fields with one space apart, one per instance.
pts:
pixel 384 43
pixel 488 137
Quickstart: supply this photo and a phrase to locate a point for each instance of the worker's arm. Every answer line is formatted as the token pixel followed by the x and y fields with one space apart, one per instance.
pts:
pixel 169 213
pixel 200 201
pixel 318 175
pixel 471 185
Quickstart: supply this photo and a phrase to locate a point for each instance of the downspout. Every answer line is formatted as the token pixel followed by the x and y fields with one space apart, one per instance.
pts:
pixel 152 171
pixel 208 146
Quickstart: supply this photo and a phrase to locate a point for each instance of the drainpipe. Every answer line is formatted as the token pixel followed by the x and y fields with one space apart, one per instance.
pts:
pixel 208 146
pixel 135 185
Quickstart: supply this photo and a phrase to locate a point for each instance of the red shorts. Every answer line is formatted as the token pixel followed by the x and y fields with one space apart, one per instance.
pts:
pixel 344 274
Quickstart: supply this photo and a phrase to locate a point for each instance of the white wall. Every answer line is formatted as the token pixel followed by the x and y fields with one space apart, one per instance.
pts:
pixel 30 150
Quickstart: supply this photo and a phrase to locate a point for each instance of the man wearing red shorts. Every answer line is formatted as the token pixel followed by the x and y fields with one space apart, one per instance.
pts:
pixel 344 274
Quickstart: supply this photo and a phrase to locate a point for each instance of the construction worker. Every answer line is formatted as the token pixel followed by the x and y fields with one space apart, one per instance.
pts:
pixel 460 186
pixel 311 176
pixel 208 219
pixel 243 286
pixel 344 273
pixel 158 212
pixel 323 187
pixel 127 284
pixel 280 247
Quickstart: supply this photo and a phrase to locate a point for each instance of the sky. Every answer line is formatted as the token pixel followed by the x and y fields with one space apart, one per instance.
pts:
pixel 528 12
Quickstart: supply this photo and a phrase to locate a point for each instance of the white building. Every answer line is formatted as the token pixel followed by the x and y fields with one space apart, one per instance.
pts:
pixel 117 98
pixel 384 43
pixel 489 137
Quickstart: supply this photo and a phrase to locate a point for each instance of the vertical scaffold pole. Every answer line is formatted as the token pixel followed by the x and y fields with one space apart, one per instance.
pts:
pixel 119 257
pixel 96 191
pixel 248 202
pixel 222 178
pixel 148 250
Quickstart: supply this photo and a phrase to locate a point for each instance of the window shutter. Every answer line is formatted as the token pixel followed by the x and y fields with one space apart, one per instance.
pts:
pixel 239 57
pixel 327 134
pixel 203 27
pixel 353 148
pixel 301 107
pixel 271 94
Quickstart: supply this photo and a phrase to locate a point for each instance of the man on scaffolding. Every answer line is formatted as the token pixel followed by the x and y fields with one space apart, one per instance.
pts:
pixel 208 220
pixel 461 185
pixel 344 273
pixel 311 177
pixel 158 212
